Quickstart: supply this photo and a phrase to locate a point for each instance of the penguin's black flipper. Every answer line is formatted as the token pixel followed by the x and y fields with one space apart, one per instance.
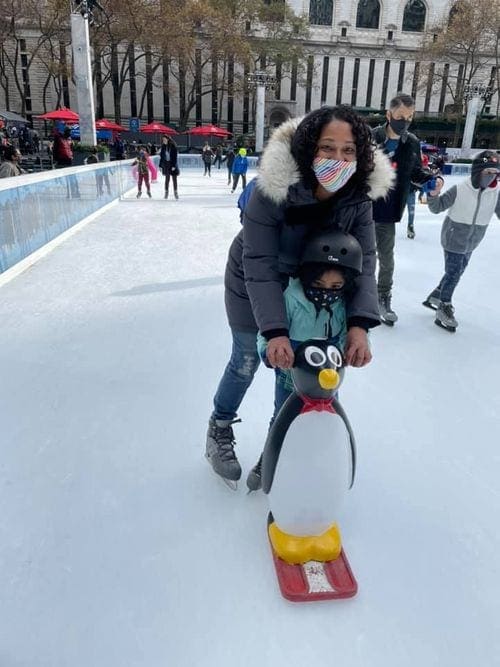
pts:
pixel 289 411
pixel 340 411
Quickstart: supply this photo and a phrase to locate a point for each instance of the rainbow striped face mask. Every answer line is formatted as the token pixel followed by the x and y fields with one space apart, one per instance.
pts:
pixel 333 174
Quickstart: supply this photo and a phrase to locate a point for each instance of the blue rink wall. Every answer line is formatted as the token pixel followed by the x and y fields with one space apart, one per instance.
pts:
pixel 36 208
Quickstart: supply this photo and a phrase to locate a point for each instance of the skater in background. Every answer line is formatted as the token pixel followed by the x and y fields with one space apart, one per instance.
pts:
pixel 316 175
pixel 218 156
pixel 229 160
pixel 142 165
pixel 470 205
pixel 315 308
pixel 240 167
pixel 207 156
pixel 403 150
pixel 168 163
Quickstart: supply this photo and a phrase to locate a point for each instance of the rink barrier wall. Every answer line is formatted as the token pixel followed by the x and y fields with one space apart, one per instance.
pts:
pixel 36 208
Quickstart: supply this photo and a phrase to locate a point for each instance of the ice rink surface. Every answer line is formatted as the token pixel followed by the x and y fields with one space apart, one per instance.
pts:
pixel 118 545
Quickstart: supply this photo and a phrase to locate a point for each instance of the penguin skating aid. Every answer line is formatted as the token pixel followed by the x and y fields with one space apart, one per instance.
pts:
pixel 307 468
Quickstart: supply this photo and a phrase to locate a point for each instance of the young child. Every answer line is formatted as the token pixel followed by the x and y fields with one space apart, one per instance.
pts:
pixel 470 205
pixel 315 306
pixel 142 165
pixel 240 167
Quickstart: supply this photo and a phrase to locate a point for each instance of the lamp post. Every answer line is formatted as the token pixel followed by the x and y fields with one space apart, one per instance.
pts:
pixel 474 93
pixel 81 13
pixel 262 82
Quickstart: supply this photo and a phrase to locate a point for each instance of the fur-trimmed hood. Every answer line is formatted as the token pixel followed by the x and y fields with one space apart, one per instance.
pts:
pixel 278 169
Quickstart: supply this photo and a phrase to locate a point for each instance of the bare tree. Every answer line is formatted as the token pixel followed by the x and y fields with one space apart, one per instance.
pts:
pixel 463 41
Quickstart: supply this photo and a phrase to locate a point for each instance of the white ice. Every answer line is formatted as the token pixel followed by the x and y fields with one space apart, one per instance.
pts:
pixel 118 545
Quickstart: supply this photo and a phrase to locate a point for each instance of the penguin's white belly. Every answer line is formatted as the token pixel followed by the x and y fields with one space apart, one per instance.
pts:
pixel 312 475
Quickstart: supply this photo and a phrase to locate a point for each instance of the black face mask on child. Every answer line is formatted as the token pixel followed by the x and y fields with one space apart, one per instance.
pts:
pixel 323 298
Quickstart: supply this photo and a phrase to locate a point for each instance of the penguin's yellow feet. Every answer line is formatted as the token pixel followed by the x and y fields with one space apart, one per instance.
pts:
pixel 297 550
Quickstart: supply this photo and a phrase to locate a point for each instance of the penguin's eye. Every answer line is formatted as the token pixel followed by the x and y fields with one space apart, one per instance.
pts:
pixel 314 356
pixel 334 356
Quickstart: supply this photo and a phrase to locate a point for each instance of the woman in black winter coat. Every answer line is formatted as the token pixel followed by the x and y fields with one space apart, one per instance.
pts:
pixel 168 163
pixel 316 174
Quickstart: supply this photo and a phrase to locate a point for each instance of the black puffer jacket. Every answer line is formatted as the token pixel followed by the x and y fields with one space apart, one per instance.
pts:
pixel 409 171
pixel 279 216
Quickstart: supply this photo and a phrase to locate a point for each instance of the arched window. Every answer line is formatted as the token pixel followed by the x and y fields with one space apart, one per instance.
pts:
pixel 321 12
pixel 414 16
pixel 368 15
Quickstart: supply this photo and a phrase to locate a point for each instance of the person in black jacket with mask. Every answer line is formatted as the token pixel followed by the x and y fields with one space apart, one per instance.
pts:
pixel 403 150
pixel 317 174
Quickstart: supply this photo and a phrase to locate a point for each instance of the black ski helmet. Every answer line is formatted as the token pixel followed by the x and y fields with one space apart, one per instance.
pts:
pixel 336 248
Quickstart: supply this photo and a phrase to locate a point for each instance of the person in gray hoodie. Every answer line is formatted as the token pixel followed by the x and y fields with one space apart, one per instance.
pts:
pixel 318 173
pixel 470 206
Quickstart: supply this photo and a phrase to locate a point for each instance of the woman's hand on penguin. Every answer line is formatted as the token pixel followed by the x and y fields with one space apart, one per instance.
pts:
pixel 280 353
pixel 357 349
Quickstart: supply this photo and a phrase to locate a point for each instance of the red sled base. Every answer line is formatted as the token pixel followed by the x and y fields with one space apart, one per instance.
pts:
pixel 313 581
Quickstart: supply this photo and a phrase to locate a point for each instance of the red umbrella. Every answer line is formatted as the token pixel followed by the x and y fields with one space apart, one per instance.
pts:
pixel 157 128
pixel 209 131
pixel 105 124
pixel 66 115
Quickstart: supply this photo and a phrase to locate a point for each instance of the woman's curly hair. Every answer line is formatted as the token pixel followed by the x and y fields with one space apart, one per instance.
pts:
pixel 306 137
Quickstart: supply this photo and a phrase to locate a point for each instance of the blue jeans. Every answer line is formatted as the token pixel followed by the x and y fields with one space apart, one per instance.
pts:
pixel 455 264
pixel 410 203
pixel 237 376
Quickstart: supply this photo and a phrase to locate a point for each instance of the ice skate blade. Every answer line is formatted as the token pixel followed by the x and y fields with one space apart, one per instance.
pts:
pixel 232 484
pixel 429 304
pixel 442 326
pixel 388 323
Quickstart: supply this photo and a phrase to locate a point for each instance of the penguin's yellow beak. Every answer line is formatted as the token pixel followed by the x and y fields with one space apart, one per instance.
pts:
pixel 328 378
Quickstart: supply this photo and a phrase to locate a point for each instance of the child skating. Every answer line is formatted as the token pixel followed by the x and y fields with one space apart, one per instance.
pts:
pixel 470 204
pixel 142 164
pixel 315 306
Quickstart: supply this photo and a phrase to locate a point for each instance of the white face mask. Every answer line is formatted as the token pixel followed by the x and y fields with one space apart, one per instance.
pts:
pixel 333 174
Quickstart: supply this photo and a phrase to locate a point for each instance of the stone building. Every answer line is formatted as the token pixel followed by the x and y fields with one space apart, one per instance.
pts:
pixel 359 52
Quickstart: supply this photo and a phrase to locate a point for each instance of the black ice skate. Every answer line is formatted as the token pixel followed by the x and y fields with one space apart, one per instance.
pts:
pixel 254 478
pixel 445 317
pixel 433 300
pixel 410 232
pixel 220 451
pixel 387 315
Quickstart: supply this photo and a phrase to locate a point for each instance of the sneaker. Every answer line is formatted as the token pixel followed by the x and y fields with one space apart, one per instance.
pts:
pixel 410 232
pixel 445 317
pixel 433 300
pixel 220 448
pixel 387 315
pixel 254 479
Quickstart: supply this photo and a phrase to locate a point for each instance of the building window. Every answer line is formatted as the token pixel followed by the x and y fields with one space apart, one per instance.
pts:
pixel 355 79
pixel 368 15
pixel 324 81
pixel 343 32
pixel 321 12
pixel 369 89
pixel 414 16
pixel 340 80
pixel 390 35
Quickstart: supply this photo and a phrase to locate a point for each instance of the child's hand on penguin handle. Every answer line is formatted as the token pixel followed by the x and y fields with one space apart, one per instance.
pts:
pixel 280 353
pixel 357 350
